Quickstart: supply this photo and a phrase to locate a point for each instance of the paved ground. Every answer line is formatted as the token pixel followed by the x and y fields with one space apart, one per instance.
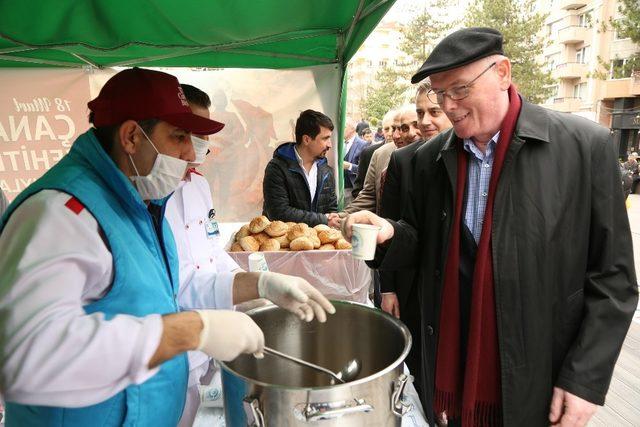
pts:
pixel 623 401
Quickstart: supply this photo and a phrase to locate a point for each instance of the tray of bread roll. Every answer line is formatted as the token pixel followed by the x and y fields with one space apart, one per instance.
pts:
pixel 263 235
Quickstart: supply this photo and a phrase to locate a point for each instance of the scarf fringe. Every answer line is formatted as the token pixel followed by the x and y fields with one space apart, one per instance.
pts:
pixel 446 401
pixel 483 415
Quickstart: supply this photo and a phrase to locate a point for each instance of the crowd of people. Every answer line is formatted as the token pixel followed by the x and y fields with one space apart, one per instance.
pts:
pixel 503 245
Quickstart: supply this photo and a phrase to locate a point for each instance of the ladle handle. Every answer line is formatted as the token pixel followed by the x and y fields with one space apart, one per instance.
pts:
pixel 303 363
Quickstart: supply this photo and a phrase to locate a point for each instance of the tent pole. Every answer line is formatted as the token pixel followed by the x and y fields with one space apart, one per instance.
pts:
pixel 342 101
pixel 39 61
pixel 352 27
pixel 314 59
pixel 15 50
pixel 85 60
pixel 372 8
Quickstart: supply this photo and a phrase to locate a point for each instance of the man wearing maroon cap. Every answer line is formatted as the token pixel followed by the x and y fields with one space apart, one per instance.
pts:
pixel 90 326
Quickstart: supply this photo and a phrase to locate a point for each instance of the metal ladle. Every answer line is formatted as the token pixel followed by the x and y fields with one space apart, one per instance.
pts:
pixel 346 374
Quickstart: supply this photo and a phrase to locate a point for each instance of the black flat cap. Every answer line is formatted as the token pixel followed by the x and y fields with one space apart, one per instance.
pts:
pixel 461 48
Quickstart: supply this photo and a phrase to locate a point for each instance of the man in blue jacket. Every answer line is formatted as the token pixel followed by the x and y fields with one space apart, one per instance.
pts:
pixel 298 182
pixel 91 331
pixel 353 146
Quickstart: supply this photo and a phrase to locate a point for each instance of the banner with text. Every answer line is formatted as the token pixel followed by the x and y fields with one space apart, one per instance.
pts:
pixel 41 113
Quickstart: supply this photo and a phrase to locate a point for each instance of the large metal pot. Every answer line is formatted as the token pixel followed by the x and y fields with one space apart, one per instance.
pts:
pixel 276 393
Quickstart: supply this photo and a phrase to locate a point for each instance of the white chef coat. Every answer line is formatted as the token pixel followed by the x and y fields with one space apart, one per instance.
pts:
pixel 202 257
pixel 52 262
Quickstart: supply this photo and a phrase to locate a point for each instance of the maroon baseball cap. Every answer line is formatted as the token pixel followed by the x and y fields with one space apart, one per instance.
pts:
pixel 140 94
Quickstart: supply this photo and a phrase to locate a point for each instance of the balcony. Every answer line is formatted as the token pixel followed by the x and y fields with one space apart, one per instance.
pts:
pixel 573 34
pixel 570 70
pixel 621 88
pixel 635 83
pixel 567 105
pixel 571 4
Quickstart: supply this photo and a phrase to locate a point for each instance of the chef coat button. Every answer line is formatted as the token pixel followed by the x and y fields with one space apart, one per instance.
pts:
pixel 186 226
pixel 210 259
pixel 197 267
pixel 429 330
pixel 444 215
pixel 200 222
pixel 436 273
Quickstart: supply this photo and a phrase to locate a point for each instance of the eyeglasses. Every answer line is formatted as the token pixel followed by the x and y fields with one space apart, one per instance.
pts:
pixel 405 127
pixel 394 128
pixel 455 93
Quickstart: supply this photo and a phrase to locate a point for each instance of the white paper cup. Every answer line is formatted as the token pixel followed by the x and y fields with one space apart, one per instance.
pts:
pixel 363 241
pixel 257 262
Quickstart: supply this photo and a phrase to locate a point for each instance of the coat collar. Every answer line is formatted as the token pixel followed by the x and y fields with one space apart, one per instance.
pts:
pixel 533 123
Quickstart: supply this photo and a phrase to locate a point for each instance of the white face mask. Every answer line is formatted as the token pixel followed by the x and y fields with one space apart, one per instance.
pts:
pixel 200 146
pixel 164 178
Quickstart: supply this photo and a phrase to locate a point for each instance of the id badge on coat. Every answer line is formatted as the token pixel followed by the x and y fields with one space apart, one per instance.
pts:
pixel 211 225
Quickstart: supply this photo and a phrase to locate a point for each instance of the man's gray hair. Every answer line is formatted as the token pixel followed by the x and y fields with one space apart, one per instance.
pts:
pixel 423 87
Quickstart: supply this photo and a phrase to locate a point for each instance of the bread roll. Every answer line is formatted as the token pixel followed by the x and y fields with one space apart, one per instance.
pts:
pixel 270 245
pixel 236 247
pixel 249 244
pixel 342 244
pixel 327 247
pixel 322 227
pixel 316 242
pixel 276 229
pixel 261 237
pixel 243 232
pixel 329 236
pixel 283 240
pixel 311 232
pixel 301 244
pixel 291 224
pixel 258 224
pixel 298 230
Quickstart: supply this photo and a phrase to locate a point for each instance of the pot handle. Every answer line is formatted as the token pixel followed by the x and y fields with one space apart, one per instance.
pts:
pixel 398 407
pixel 253 412
pixel 312 412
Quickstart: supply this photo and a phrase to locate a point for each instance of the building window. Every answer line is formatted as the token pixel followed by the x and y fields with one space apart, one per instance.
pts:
pixel 580 91
pixel 618 69
pixel 553 94
pixel 584 19
pixel 383 63
pixel 582 55
pixel 552 61
pixel 552 30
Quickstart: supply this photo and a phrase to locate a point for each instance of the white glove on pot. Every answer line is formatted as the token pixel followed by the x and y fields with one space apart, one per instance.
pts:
pixel 227 334
pixel 294 294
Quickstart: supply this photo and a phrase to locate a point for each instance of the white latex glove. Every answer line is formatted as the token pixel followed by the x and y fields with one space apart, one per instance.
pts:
pixel 294 294
pixel 227 334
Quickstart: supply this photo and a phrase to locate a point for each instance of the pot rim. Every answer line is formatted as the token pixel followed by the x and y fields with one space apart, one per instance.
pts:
pixel 403 328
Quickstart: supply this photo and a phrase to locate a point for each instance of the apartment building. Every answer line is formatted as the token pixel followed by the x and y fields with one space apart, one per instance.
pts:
pixel 382 48
pixel 581 45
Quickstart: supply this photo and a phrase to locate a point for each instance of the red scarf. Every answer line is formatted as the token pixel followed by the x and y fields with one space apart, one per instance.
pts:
pixel 476 397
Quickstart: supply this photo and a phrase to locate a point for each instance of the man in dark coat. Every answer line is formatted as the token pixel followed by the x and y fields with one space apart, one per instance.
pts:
pixel 298 182
pixel 399 296
pixel 526 277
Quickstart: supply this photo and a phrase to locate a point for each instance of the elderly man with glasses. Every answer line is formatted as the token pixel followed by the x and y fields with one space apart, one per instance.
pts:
pixel 517 226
